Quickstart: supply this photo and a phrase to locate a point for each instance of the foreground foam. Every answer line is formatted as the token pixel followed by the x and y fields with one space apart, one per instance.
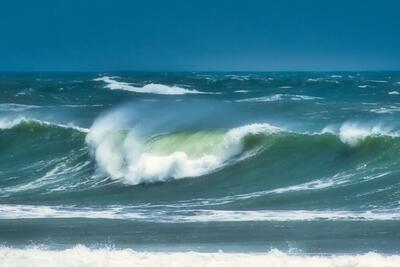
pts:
pixel 151 88
pixel 82 256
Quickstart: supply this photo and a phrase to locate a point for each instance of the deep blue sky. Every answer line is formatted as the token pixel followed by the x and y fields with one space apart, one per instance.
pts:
pixel 76 35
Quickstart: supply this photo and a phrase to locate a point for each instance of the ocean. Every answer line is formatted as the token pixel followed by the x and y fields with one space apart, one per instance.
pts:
pixel 200 169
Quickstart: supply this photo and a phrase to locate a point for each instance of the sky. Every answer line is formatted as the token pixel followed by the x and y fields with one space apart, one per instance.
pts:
pixel 199 35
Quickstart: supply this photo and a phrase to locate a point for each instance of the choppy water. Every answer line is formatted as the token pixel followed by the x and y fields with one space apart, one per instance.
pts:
pixel 280 163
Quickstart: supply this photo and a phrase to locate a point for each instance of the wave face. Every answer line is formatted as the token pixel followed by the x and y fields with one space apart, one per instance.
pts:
pixel 173 155
pixel 244 162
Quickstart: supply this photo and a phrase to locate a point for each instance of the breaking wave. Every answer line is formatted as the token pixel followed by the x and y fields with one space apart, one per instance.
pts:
pixel 124 155
pixel 152 88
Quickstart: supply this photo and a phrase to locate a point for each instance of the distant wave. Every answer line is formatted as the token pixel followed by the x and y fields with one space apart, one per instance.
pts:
pixel 386 110
pixel 377 81
pixel 151 88
pixel 106 257
pixel 364 86
pixel 16 107
pixel 12 123
pixel 279 97
pixel 393 93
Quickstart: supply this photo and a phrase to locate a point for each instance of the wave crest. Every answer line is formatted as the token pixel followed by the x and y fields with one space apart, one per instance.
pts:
pixel 151 88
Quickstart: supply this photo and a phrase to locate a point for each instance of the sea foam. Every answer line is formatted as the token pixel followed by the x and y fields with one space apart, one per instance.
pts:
pixel 80 255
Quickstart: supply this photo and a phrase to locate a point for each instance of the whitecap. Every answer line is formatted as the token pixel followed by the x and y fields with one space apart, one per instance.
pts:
pixel 151 88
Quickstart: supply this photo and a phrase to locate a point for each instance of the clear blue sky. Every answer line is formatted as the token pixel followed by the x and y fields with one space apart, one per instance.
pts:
pixel 89 35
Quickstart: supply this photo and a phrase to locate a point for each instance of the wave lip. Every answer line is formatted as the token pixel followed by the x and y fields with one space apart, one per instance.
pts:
pixel 151 88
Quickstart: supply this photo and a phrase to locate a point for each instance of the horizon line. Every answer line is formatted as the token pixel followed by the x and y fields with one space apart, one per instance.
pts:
pixel 187 71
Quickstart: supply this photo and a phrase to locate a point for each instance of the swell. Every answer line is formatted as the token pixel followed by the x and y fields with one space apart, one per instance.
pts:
pixel 255 166
pixel 41 157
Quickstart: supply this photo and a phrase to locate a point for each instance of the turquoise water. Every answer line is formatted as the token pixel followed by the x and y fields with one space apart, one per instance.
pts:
pixel 241 162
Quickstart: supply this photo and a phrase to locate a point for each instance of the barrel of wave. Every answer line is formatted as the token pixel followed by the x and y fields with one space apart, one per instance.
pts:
pixel 126 155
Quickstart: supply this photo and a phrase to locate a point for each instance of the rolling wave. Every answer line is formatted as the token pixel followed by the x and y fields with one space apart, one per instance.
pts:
pixel 126 155
pixel 172 156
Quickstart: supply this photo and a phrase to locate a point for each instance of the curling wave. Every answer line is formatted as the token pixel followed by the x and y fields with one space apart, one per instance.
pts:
pixel 123 155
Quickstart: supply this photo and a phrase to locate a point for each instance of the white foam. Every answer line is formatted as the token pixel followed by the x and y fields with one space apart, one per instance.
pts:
pixel 314 80
pixel 377 81
pixel 279 97
pixel 137 213
pixel 364 86
pixel 124 156
pixel 382 110
pixel 151 88
pixel 393 93
pixel 241 91
pixel 79 256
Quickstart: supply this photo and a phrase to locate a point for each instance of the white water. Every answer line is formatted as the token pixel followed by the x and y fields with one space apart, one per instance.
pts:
pixel 152 88
pixel 81 256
